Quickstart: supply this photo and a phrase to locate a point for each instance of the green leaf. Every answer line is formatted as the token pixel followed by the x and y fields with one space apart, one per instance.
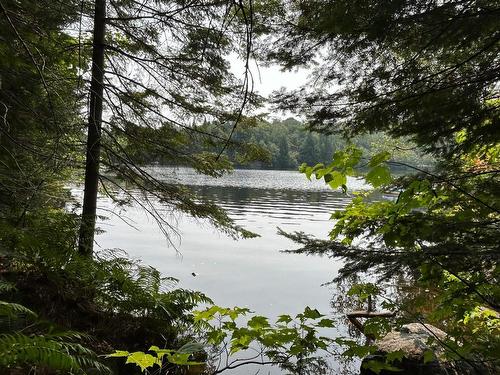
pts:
pixel 379 158
pixel 378 366
pixel 216 337
pixel 143 360
pixel 206 314
pixel 258 322
pixel 378 176
pixel 326 323
pixel 395 356
pixel 160 353
pixel 354 349
pixel 311 313
pixel 181 359
pixel 284 319
pixel 318 167
pixel 118 353
pixel 308 172
pixel 236 312
pixel 363 291
pixel 337 159
pixel 191 348
pixel 242 342
pixel 429 356
pixel 296 349
pixel 336 179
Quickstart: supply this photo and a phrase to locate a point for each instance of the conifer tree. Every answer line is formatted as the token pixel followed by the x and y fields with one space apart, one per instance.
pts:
pixel 283 156
pixel 421 69
pixel 158 69
pixel 38 106
pixel 428 71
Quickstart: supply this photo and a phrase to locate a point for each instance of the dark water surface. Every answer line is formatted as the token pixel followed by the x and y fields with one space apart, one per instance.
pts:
pixel 250 272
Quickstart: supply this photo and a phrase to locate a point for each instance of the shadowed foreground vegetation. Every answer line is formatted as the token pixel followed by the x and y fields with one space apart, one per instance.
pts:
pixel 91 91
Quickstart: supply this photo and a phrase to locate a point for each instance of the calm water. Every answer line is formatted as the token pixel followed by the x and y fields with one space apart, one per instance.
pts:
pixel 251 272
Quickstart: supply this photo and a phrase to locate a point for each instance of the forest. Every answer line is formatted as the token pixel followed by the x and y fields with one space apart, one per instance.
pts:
pixel 395 134
pixel 286 144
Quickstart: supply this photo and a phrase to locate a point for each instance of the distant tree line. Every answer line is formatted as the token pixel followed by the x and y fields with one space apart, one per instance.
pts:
pixel 286 144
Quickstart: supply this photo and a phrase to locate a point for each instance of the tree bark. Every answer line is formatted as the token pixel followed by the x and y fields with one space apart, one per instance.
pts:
pixel 88 220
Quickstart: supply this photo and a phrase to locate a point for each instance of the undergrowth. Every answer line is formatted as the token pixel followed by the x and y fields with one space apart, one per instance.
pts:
pixel 116 301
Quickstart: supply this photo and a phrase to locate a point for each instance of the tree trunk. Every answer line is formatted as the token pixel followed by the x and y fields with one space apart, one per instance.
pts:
pixel 87 227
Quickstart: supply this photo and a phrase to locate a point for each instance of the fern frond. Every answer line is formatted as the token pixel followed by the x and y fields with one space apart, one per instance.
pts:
pixel 13 310
pixel 22 350
pixel 189 297
pixel 18 350
pixel 6 287
pixel 14 316
pixel 69 336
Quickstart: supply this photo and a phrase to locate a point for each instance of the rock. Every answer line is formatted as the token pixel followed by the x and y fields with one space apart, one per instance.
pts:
pixel 414 340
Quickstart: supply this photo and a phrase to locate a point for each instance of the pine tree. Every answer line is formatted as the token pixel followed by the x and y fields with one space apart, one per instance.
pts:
pixel 158 70
pixel 428 72
pixel 308 152
pixel 421 69
pixel 38 106
pixel 283 156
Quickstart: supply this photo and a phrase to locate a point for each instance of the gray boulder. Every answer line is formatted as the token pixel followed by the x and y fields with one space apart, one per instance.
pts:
pixel 414 340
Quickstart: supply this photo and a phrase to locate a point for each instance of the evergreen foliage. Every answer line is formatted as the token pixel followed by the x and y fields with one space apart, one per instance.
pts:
pixel 39 122
pixel 285 144
pixel 44 79
pixel 162 64
pixel 40 349
pixel 428 71
pixel 420 69
pixel 424 72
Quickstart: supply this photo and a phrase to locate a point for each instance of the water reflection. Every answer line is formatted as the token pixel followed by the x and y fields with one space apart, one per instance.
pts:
pixel 294 206
pixel 251 272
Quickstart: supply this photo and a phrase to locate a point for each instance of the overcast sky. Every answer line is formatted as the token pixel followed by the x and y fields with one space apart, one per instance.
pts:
pixel 269 79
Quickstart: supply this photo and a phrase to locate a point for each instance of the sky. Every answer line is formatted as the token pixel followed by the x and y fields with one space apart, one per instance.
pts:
pixel 267 79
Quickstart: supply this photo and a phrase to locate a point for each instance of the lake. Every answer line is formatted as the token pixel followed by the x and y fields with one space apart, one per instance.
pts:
pixel 250 272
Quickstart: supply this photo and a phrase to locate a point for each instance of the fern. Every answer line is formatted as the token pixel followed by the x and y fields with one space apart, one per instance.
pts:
pixel 60 352
pixel 22 350
pixel 13 316
pixel 6 287
pixel 13 310
pixel 131 302
pixel 127 286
